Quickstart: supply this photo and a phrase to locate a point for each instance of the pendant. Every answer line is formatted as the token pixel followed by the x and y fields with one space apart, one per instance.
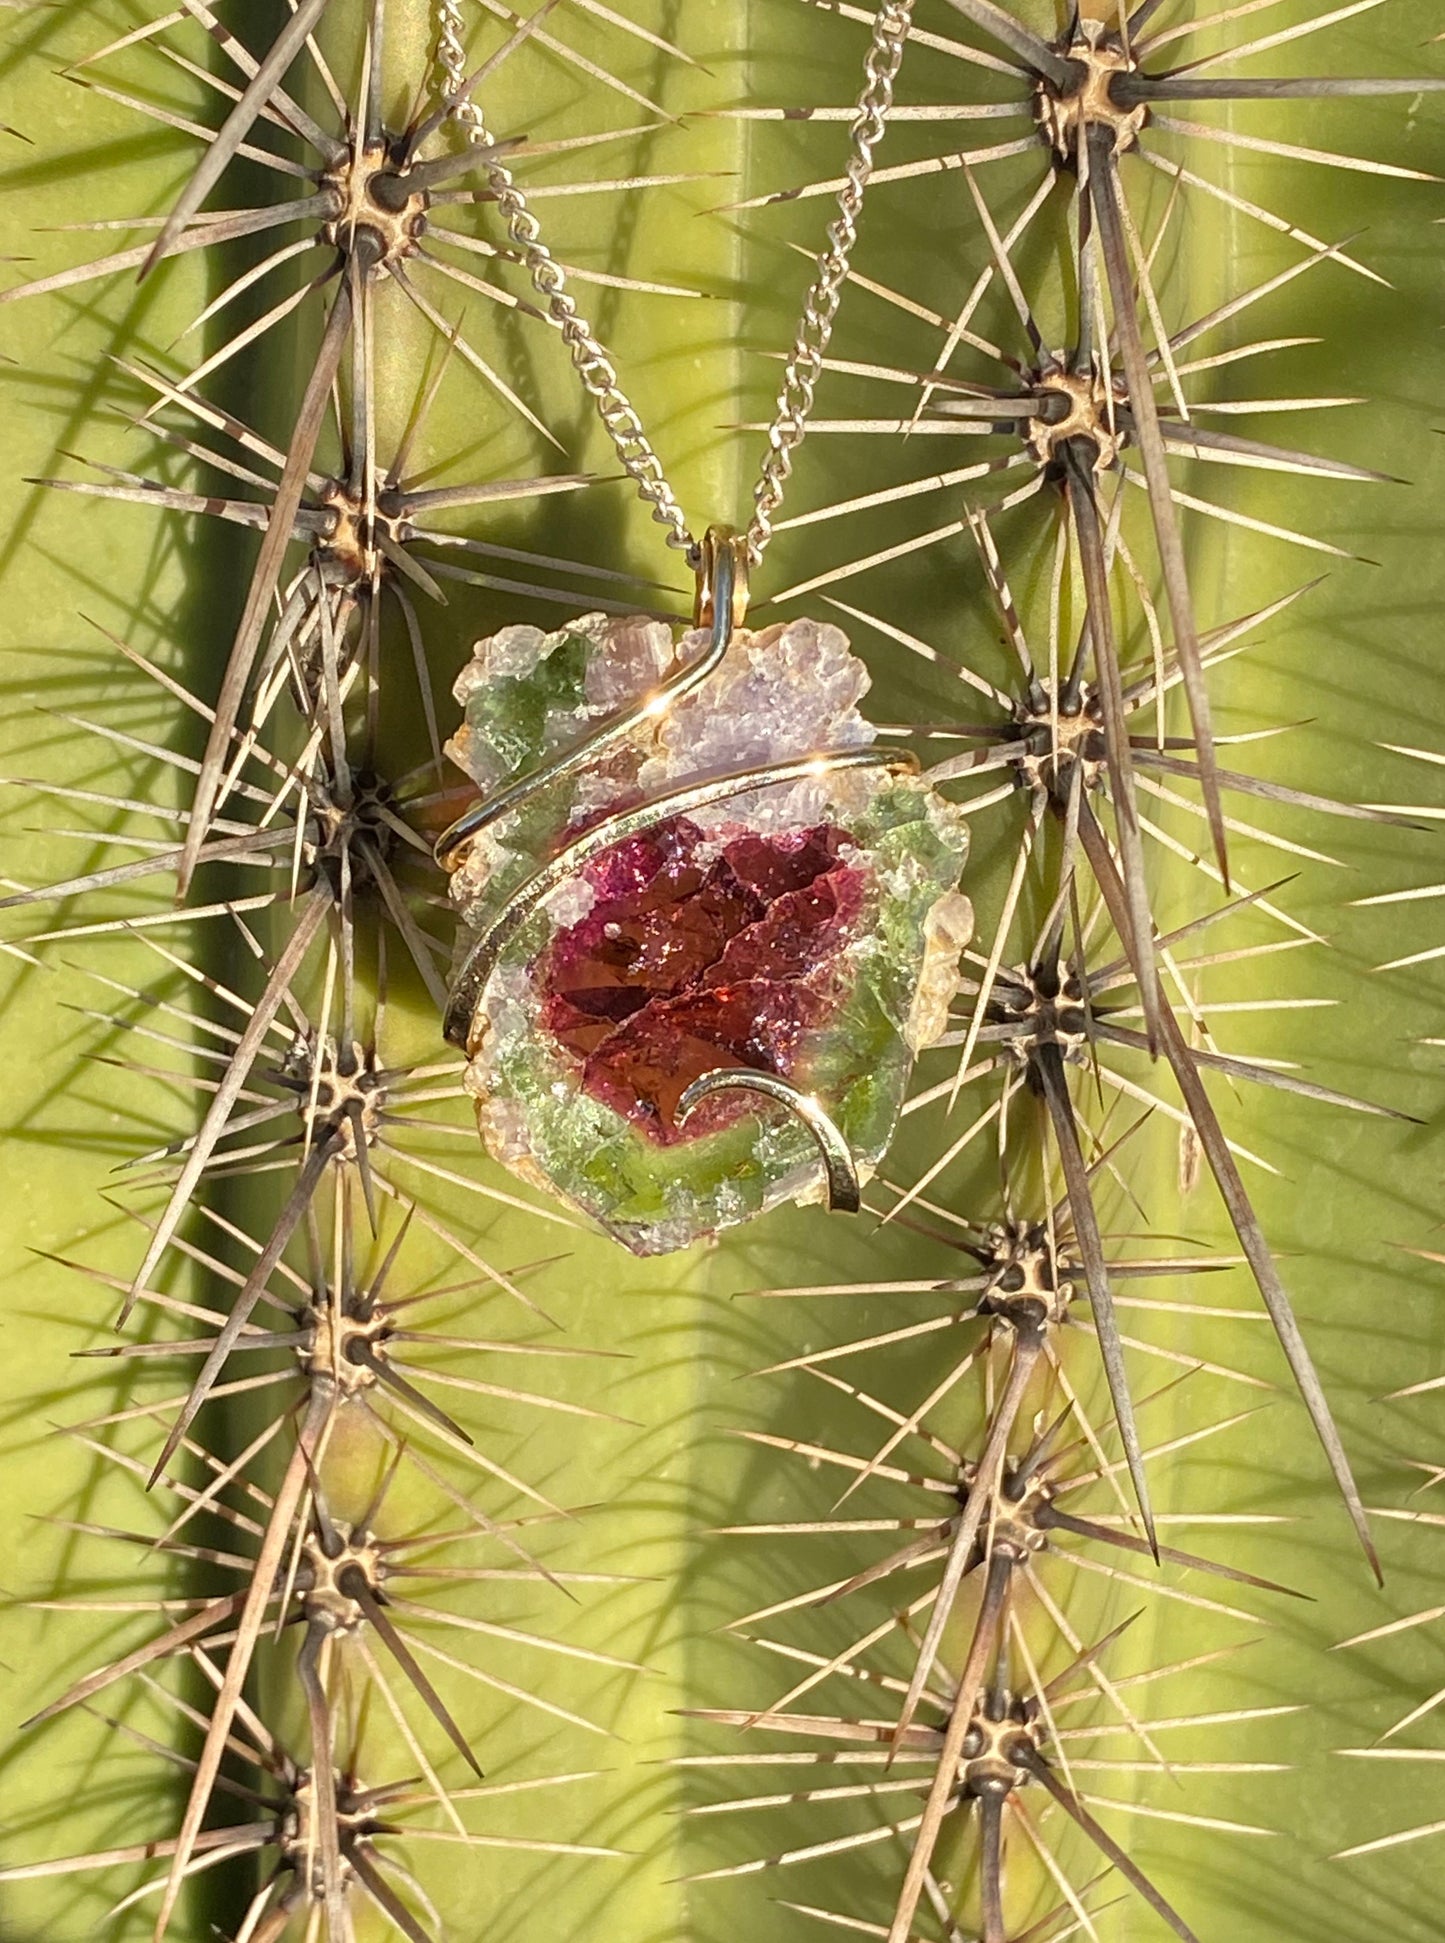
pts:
pixel 706 925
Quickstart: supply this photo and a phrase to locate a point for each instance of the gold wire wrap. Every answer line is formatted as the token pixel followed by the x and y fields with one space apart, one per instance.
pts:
pixel 718 575
pixel 845 1193
pixel 481 960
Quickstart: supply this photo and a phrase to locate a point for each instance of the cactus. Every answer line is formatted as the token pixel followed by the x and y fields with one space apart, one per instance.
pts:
pixel 410 1558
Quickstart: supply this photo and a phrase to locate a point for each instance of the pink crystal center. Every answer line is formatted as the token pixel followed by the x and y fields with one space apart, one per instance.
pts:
pixel 698 954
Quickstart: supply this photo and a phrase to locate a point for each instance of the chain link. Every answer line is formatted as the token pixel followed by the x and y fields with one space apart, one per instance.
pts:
pixel 589 358
pixel 820 308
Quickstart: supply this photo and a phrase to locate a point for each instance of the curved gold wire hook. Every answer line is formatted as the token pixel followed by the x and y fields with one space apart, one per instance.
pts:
pixel 722 605
pixel 722 577
pixel 845 1193
pixel 481 960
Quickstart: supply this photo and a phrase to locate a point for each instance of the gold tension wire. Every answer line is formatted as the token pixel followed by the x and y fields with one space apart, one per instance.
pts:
pixel 722 567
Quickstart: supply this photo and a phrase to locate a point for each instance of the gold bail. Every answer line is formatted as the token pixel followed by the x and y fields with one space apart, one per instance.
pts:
pixel 722 568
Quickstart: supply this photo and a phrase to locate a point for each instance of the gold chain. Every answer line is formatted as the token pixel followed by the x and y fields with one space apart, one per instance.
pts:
pixel 820 308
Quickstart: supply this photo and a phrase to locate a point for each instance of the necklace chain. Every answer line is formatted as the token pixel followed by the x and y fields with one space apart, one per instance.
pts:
pixel 820 308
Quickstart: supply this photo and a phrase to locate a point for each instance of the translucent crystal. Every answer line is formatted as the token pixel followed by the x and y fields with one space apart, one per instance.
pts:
pixel 810 930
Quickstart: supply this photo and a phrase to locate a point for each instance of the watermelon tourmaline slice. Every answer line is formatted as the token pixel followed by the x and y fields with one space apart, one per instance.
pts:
pixel 809 930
